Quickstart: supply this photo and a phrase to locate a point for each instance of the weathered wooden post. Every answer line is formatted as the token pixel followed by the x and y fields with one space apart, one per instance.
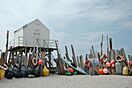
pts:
pixel 7 40
pixel 43 57
pixel 67 55
pixel 60 63
pixel 10 60
pixel 101 45
pixel 86 58
pixel 108 55
pixel 78 62
pixel 49 52
pixel 73 55
pixel 81 62
pixel 94 62
pixel 112 56
pixel 110 39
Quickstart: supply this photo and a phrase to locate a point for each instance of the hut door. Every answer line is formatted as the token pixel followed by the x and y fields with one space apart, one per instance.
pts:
pixel 37 39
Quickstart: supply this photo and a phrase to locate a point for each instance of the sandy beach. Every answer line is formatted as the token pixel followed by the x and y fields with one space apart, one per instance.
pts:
pixel 77 81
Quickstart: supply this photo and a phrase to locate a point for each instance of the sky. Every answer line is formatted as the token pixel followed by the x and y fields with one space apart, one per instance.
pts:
pixel 77 22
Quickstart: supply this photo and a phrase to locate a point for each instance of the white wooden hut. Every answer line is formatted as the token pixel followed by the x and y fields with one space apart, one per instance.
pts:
pixel 33 34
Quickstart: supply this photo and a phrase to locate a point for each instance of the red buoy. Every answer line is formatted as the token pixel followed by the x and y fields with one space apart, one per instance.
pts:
pixel 40 62
pixel 101 60
pixel 130 63
pixel 112 62
pixel 105 56
pixel 100 71
pixel 108 64
pixel 88 63
pixel 112 65
pixel 70 70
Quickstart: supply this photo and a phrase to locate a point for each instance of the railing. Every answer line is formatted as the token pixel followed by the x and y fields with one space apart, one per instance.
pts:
pixel 16 42
pixel 46 43
pixel 49 43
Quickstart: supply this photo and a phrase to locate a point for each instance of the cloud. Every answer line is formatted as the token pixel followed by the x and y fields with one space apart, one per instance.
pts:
pixel 127 25
pixel 105 11
pixel 78 22
pixel 62 12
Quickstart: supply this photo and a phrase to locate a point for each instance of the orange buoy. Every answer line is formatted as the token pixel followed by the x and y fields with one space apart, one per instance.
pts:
pixel 100 71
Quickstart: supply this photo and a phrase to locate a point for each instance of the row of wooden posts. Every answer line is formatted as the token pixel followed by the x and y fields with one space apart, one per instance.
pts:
pixel 113 62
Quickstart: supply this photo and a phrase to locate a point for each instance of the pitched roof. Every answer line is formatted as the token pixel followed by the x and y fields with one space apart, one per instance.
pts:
pixel 36 20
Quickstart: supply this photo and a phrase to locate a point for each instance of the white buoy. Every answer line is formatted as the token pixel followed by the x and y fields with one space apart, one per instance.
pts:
pixel 105 70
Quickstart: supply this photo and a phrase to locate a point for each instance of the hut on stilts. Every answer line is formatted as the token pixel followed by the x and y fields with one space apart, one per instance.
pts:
pixel 32 37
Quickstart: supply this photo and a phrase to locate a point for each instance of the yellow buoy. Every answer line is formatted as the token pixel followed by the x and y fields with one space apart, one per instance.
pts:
pixel 125 70
pixel 2 73
pixel 2 70
pixel 45 71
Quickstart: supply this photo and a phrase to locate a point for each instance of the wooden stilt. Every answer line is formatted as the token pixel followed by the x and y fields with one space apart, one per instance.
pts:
pixel 49 59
